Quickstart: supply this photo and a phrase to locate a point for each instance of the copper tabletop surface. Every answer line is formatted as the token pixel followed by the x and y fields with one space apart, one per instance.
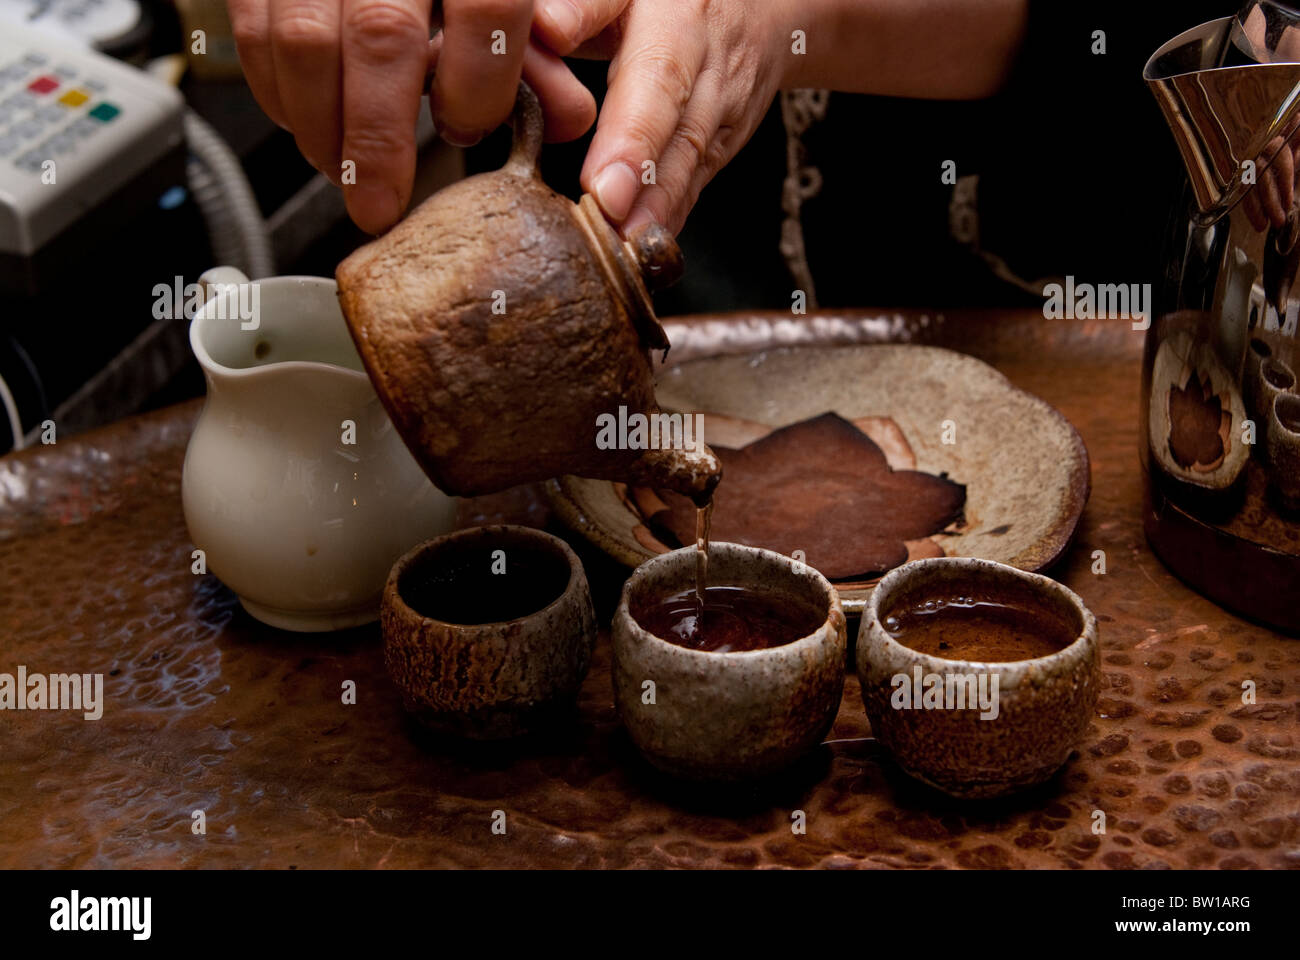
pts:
pixel 207 709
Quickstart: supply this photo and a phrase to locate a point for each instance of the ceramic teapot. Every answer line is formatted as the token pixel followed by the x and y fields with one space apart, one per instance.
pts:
pixel 1221 406
pixel 505 328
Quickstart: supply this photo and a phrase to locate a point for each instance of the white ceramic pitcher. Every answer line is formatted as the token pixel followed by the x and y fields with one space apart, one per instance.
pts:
pixel 296 486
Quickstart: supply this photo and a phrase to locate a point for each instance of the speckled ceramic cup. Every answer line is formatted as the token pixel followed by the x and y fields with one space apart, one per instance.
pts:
pixel 727 716
pixel 1284 448
pixel 1275 380
pixel 1256 393
pixel 1043 705
pixel 491 680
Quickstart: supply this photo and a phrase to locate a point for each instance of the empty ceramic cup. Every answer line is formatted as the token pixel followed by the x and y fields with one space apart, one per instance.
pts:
pixel 1284 449
pixel 728 716
pixel 488 632
pixel 987 717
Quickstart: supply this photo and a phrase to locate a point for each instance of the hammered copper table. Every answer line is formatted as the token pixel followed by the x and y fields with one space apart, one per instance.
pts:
pixel 209 710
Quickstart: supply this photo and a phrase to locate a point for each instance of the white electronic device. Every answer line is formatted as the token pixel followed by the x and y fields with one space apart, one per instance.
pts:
pixel 75 128
pixel 101 23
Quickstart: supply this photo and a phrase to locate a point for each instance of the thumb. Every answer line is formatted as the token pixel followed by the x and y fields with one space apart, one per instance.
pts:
pixel 564 25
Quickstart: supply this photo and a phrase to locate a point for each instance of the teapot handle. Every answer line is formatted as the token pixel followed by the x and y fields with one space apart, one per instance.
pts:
pixel 529 126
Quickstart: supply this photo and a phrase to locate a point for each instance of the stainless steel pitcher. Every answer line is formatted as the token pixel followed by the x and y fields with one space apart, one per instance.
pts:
pixel 1220 437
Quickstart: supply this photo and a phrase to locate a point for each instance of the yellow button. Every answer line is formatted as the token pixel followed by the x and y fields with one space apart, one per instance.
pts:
pixel 74 98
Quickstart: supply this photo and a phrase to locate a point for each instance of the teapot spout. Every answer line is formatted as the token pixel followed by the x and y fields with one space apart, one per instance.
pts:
pixel 693 473
pixel 1230 92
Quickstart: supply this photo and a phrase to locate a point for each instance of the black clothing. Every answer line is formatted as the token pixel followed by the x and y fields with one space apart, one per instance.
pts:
pixel 1077 171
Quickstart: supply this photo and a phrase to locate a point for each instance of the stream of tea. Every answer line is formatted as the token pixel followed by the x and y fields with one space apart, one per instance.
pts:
pixel 703 516
pixel 739 618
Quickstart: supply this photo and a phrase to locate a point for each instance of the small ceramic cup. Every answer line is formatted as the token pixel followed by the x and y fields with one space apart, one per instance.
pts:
pixel 1035 711
pixel 1275 380
pixel 727 716
pixel 1284 448
pixel 1253 391
pixel 482 659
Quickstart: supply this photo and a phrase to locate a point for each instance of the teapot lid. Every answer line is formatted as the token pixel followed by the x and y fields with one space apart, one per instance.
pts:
pixel 649 260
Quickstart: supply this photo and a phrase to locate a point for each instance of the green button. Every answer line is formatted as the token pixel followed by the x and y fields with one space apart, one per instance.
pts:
pixel 104 112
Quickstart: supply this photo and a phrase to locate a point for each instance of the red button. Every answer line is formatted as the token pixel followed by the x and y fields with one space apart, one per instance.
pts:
pixel 42 85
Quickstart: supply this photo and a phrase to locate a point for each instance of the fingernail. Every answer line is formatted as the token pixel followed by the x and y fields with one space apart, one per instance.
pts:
pixel 636 219
pixel 459 138
pixel 566 19
pixel 615 188
pixel 374 207
pixel 330 173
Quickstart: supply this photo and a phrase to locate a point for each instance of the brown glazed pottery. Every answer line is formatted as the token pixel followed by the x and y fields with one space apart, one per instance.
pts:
pixel 1043 705
pixel 727 716
pixel 498 678
pixel 1025 468
pixel 500 321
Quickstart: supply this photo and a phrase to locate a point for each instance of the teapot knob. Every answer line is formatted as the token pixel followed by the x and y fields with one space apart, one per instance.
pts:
pixel 655 250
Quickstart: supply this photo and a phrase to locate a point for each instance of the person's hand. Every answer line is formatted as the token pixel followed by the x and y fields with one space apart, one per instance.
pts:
pixel 1272 199
pixel 689 83
pixel 346 77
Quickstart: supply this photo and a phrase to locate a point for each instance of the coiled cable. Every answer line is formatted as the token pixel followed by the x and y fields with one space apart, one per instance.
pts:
pixel 11 408
pixel 236 228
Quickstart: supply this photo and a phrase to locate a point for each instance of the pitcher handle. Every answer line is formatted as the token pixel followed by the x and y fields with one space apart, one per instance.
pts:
pixel 220 276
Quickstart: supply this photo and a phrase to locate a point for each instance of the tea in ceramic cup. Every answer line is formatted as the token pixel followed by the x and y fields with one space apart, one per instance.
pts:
pixel 488 632
pixel 748 692
pixel 978 677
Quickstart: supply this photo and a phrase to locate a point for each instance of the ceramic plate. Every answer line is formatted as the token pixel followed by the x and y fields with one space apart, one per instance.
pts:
pixel 1024 466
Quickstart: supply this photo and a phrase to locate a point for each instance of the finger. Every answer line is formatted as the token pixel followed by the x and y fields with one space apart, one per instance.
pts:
pixel 694 145
pixel 564 25
pixel 568 106
pixel 603 46
pixel 1271 197
pixel 699 181
pixel 685 202
pixel 305 50
pixel 1254 213
pixel 385 57
pixel 250 22
pixel 479 67
pixel 651 81
pixel 435 48
pixel 1284 163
